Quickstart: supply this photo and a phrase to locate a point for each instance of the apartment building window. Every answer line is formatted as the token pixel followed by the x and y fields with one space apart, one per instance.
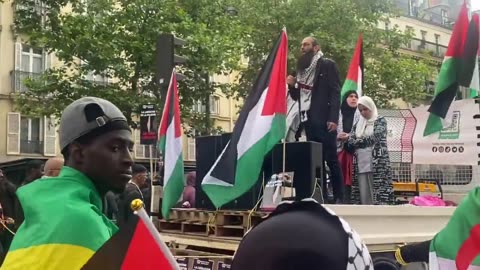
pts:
pixel 444 16
pixel 31 135
pixel 30 62
pixel 437 47
pixel 423 42
pixel 199 106
pixel 413 8
pixel 191 149
pixel 410 30
pixel 215 105
pixel 95 77
pixel 27 135
pixel 32 59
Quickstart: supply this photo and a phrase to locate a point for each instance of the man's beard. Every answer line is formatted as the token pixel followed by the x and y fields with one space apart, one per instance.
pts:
pixel 305 60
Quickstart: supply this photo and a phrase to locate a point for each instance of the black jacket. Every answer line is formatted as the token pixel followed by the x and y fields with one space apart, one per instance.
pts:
pixel 125 212
pixel 325 102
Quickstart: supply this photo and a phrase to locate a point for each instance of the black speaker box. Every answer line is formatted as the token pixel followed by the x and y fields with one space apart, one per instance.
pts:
pixel 304 159
pixel 208 149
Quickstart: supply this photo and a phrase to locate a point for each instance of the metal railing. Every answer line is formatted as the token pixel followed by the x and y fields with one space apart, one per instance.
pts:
pixel 31 147
pixel 424 46
pixel 19 77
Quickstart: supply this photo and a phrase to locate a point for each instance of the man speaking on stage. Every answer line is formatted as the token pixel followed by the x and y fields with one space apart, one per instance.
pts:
pixel 316 88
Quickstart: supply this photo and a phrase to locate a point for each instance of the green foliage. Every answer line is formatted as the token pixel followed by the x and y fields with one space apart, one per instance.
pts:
pixel 117 39
pixel 336 24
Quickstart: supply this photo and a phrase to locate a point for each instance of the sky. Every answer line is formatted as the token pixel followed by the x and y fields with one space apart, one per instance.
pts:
pixel 475 4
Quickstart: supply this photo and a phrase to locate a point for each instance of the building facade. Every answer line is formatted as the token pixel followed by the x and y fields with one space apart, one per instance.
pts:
pixel 431 23
pixel 23 138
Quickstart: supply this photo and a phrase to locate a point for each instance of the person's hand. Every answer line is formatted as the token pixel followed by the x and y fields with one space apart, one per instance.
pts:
pixel 10 220
pixel 331 126
pixel 342 136
pixel 186 204
pixel 291 80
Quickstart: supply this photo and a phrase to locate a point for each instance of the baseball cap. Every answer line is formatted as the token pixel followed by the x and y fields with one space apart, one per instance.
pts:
pixel 302 235
pixel 87 115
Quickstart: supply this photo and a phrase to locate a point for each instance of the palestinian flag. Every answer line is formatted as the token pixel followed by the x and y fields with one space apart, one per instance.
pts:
pixel 354 81
pixel 261 125
pixel 137 245
pixel 457 245
pixel 170 144
pixel 450 76
pixel 475 84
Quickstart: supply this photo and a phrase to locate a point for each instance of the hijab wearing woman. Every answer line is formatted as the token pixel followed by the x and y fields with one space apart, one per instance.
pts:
pixel 348 116
pixel 348 109
pixel 372 178
pixel 369 112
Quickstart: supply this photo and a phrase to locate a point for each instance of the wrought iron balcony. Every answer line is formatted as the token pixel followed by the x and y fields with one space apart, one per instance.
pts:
pixel 433 49
pixel 31 147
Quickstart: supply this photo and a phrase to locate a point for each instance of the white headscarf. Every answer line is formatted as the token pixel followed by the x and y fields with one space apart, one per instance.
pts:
pixel 365 126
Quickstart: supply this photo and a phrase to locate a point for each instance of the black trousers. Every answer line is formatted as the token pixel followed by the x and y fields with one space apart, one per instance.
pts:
pixel 329 146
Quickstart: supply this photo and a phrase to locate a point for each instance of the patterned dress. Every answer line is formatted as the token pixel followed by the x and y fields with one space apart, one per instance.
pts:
pixel 382 173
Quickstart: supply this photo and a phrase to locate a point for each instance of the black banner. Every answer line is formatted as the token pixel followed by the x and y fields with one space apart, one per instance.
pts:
pixel 224 266
pixel 202 264
pixel 183 263
pixel 148 131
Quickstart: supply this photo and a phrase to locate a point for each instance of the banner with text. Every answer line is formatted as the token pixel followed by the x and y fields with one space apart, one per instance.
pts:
pixel 454 145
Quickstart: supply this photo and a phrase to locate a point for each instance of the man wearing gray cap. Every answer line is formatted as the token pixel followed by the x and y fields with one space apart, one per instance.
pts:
pixel 64 224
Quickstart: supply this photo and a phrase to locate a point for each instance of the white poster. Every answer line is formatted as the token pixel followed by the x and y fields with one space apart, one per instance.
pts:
pixel 454 145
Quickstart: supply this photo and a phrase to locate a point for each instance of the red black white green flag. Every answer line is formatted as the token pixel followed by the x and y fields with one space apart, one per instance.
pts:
pixel 137 245
pixel 354 81
pixel 456 247
pixel 473 34
pixel 170 144
pixel 451 75
pixel 261 125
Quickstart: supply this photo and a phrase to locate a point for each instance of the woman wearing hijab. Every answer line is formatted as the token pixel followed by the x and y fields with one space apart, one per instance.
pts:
pixel 372 180
pixel 348 116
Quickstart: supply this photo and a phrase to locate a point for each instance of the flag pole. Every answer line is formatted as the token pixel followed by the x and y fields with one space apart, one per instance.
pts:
pixel 137 207
pixel 152 170
pixel 284 150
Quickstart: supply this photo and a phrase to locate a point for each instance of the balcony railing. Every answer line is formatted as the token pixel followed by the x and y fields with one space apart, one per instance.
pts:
pixel 19 77
pixel 31 147
pixel 418 45
pixel 428 15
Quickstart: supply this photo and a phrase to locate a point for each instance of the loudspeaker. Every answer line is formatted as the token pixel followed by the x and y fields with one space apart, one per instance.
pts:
pixel 208 149
pixel 305 159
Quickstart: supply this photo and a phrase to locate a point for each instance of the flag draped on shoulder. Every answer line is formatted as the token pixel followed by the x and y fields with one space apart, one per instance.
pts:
pixel 456 246
pixel 63 225
pixel 261 125
pixel 354 81
pixel 450 76
pixel 170 144
pixel 137 245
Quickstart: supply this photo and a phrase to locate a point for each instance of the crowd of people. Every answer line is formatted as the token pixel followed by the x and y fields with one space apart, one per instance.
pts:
pixel 352 133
